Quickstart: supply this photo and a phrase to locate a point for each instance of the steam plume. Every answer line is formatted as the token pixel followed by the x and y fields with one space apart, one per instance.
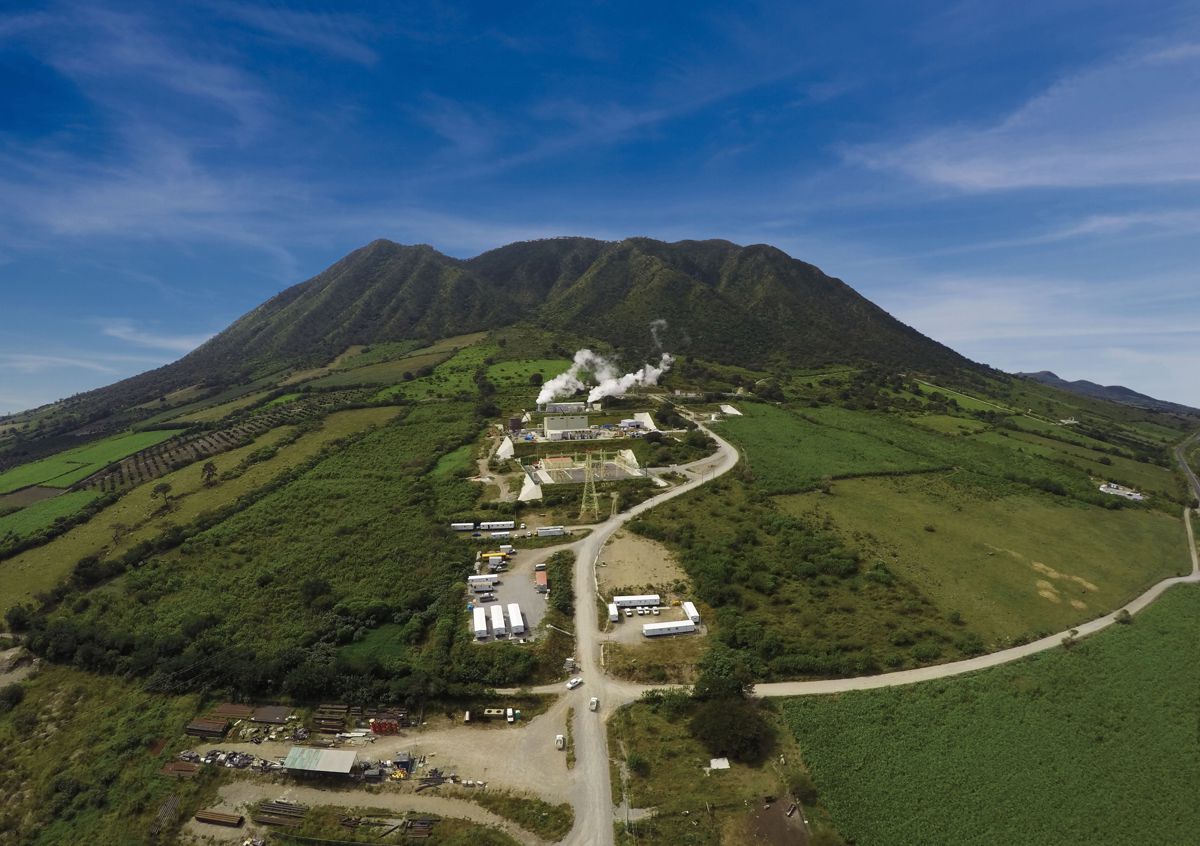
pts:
pixel 647 375
pixel 657 326
pixel 604 374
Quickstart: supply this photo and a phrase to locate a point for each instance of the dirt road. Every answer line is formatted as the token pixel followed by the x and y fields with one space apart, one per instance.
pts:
pixel 239 796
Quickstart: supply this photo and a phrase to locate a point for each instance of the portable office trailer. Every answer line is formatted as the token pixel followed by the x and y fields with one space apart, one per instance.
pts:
pixel 501 534
pixel 668 628
pixel 613 613
pixel 636 601
pixel 516 623
pixel 506 549
pixel 498 628
pixel 480 622
pixel 485 579
pixel 550 531
pixel 463 527
pixel 691 613
pixel 498 524
pixel 481 587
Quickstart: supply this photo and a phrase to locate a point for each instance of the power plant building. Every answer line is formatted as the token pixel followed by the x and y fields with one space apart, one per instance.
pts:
pixel 566 427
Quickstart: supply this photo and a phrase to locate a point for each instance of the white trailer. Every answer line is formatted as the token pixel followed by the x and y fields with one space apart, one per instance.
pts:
pixel 550 531
pixel 670 627
pixel 481 587
pixel 498 621
pixel 498 524
pixel 463 527
pixel 480 623
pixel 485 579
pixel 614 614
pixel 689 611
pixel 641 601
pixel 516 623
pixel 506 548
pixel 501 534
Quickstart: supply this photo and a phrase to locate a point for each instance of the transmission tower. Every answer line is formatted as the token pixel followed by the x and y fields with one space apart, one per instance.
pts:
pixel 590 506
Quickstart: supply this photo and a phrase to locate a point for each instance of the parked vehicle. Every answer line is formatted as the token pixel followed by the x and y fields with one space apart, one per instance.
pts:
pixel 560 742
pixel 574 683
pixel 593 704
pixel 628 612
pixel 654 611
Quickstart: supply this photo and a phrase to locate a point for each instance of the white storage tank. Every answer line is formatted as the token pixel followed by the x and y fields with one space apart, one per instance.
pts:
pixel 498 628
pixel 516 623
pixel 480 622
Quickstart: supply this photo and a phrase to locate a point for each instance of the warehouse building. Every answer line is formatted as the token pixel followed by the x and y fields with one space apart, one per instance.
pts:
pixel 566 427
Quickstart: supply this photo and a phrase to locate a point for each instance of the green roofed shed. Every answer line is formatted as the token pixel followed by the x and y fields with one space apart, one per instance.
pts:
pixel 305 759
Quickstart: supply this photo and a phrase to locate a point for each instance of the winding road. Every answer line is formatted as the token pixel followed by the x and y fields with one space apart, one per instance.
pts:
pixel 592 790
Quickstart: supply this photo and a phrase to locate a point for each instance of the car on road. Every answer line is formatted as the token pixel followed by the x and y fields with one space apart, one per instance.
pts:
pixel 594 704
pixel 574 683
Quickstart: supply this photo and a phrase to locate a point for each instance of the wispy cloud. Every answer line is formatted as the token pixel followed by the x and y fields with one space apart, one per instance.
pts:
pixel 127 330
pixel 1132 121
pixel 35 363
pixel 340 35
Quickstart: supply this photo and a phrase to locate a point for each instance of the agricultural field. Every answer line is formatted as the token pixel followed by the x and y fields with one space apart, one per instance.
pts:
pixel 1096 744
pixel 42 514
pixel 519 372
pixel 384 372
pixel 81 759
pixel 1010 564
pixel 141 515
pixel 452 378
pixel 220 411
pixel 74 465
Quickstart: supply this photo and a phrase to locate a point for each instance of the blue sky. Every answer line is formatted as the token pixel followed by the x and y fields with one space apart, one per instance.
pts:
pixel 1018 180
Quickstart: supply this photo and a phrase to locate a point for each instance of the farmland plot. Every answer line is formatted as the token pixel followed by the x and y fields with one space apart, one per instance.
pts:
pixel 67 468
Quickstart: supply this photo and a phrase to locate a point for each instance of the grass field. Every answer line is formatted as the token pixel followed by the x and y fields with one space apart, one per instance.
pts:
pixel 1095 745
pixel 78 767
pixel 384 372
pixel 1011 565
pixel 519 372
pixel 137 516
pixel 452 378
pixel 67 468
pixel 213 413
pixel 37 516
pixel 788 453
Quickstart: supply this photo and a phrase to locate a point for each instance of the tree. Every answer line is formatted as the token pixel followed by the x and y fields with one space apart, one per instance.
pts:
pixel 11 696
pixel 733 729
pixel 118 531
pixel 161 491
pixel 208 472
pixel 536 380
pixel 723 676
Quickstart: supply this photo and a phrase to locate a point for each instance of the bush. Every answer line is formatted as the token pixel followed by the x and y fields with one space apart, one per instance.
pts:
pixel 10 697
pixel 638 764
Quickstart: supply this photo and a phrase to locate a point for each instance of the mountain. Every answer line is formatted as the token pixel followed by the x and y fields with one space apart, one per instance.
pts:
pixel 751 305
pixel 1112 393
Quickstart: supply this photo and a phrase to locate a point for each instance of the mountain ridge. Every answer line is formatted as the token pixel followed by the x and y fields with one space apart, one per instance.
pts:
pixel 1112 393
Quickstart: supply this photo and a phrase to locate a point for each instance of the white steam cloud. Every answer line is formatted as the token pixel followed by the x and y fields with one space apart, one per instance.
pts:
pixel 604 373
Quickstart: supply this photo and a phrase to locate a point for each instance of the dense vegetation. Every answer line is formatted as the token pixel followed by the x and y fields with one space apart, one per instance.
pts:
pixel 1097 745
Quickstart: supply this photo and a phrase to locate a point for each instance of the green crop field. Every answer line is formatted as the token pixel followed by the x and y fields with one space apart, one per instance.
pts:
pixel 1011 564
pixel 138 516
pixel 67 468
pixel 38 515
pixel 519 372
pixel 452 378
pixel 789 453
pixel 1095 745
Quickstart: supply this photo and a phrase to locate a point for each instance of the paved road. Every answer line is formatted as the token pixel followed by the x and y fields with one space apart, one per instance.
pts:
pixel 592 793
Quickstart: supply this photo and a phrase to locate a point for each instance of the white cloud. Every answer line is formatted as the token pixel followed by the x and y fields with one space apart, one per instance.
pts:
pixel 1134 120
pixel 336 34
pixel 127 330
pixel 36 363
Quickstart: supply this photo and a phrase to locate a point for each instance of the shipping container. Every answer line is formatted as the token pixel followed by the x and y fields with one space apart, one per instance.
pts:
pixel 498 628
pixel 480 623
pixel 550 531
pixel 498 524
pixel 668 628
pixel 636 601
pixel 691 613
pixel 463 527
pixel 614 613
pixel 516 623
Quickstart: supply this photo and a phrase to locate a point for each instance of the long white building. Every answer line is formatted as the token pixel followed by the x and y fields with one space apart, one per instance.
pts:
pixel 647 599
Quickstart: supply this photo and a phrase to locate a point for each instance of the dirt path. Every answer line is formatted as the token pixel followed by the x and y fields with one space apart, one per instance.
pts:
pixel 239 796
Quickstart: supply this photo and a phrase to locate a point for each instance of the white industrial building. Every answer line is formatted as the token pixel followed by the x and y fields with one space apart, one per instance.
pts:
pixel 564 407
pixel 670 627
pixel 648 599
pixel 566 427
